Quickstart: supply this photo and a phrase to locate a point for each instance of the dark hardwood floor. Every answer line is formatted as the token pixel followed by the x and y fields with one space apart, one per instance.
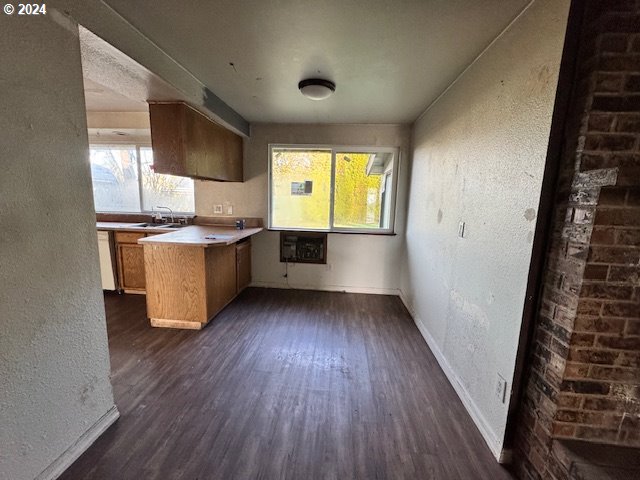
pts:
pixel 283 384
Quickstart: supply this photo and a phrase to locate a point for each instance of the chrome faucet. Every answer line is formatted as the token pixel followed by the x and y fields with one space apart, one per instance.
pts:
pixel 170 213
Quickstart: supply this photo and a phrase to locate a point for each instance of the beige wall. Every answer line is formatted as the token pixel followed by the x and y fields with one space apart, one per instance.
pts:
pixel 119 120
pixel 366 263
pixel 478 157
pixel 54 360
pixel 134 125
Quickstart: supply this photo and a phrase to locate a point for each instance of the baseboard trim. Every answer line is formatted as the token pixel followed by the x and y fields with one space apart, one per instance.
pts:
pixel 489 436
pixel 179 324
pixel 329 288
pixel 71 454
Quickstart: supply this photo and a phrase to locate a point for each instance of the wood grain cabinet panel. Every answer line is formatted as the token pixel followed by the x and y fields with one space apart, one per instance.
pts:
pixel 243 265
pixel 220 277
pixel 188 285
pixel 175 283
pixel 130 259
pixel 128 237
pixel 132 267
pixel 187 143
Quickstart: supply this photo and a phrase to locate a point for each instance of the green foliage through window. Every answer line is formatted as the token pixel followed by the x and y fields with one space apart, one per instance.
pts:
pixel 332 189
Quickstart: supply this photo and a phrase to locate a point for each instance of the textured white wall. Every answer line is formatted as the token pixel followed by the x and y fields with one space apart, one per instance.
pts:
pixel 365 263
pixel 54 360
pixel 478 157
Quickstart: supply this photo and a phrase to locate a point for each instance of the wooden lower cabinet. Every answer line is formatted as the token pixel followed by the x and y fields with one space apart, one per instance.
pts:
pixel 188 285
pixel 130 259
pixel 131 268
pixel 243 265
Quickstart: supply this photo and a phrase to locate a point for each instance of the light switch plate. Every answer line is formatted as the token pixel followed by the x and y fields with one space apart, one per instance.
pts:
pixel 501 389
pixel 461 226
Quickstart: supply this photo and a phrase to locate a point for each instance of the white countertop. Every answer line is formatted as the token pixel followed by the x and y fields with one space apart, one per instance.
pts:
pixel 192 235
pixel 201 235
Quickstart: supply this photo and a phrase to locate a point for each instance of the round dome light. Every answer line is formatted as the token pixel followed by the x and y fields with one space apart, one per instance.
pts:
pixel 316 88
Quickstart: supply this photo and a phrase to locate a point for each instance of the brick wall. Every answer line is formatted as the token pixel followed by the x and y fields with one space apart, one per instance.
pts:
pixel 599 397
pixel 583 376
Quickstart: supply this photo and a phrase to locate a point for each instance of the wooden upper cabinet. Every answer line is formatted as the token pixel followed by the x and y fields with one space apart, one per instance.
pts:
pixel 188 144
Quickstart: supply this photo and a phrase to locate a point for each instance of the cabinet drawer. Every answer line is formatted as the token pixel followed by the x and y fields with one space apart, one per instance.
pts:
pixel 128 237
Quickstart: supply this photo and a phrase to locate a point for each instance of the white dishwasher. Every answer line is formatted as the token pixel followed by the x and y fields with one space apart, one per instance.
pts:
pixel 106 264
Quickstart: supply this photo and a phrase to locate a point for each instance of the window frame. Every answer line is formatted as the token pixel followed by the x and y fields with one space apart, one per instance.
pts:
pixel 334 150
pixel 137 146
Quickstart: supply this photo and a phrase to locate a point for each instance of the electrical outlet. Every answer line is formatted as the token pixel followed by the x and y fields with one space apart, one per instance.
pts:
pixel 501 389
pixel 217 209
pixel 461 226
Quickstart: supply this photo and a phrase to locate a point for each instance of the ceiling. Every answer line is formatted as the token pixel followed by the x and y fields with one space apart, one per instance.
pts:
pixel 99 98
pixel 389 59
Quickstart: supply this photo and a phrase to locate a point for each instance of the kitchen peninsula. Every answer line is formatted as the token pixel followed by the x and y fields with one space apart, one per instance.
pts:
pixel 194 272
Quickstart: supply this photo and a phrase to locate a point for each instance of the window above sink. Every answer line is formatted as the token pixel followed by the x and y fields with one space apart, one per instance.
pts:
pixel 124 181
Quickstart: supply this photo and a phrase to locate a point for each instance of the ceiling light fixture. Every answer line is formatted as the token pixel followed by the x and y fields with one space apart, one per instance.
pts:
pixel 316 88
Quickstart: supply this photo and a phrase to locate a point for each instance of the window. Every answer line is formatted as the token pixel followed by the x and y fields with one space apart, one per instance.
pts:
pixel 335 189
pixel 124 181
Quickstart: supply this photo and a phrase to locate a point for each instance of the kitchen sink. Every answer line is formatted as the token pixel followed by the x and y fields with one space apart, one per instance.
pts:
pixel 158 225
pixel 147 225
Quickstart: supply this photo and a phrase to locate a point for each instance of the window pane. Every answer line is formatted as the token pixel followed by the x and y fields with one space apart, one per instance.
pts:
pixel 300 188
pixel 363 190
pixel 164 190
pixel 114 172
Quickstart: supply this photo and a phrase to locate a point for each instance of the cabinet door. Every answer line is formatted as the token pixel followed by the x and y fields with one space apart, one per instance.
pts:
pixel 188 144
pixel 168 137
pixel 243 265
pixel 220 277
pixel 131 260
